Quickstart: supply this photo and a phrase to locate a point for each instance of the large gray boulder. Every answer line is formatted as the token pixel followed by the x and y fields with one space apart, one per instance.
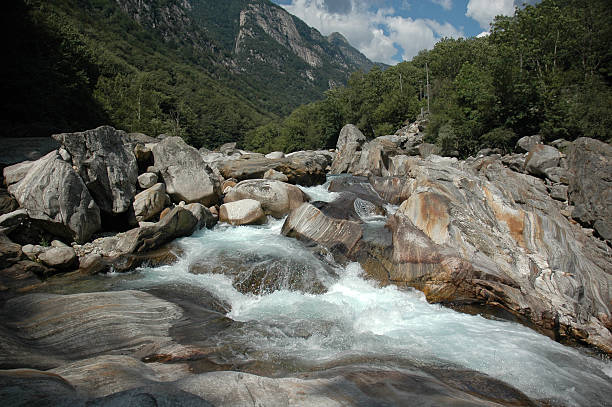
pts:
pixel 106 163
pixel 150 202
pixel 590 187
pixel 54 194
pixel 62 258
pixel 541 158
pixel 349 145
pixel 277 198
pixel 185 174
pixel 525 144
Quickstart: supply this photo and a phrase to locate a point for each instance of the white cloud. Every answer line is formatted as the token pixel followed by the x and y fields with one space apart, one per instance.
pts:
pixel 445 4
pixel 377 34
pixel 484 11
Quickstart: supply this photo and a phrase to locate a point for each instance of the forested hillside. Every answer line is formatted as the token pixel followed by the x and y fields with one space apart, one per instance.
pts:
pixel 208 71
pixel 546 70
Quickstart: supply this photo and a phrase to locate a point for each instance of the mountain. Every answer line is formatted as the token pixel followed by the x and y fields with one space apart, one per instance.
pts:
pixel 207 70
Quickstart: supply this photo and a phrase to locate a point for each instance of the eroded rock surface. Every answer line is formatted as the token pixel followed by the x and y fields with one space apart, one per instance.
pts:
pixel 277 198
pixel 106 163
pixel 54 194
pixel 186 175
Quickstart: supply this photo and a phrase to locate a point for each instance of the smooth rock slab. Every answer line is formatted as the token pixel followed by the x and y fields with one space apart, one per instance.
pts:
pixel 47 330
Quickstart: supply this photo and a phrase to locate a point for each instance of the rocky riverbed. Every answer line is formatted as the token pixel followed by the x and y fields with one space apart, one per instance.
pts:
pixel 141 270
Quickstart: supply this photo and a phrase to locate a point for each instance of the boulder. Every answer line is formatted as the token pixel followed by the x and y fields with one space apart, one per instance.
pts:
pixel 144 156
pixel 427 149
pixel 7 202
pixel 10 252
pixel 177 223
pixel 150 202
pixel 559 192
pixel 516 162
pixel 276 198
pixel 205 218
pixel 147 180
pixel 349 145
pixel 275 176
pixel 525 144
pixel 375 156
pixel 541 158
pixel 242 212
pixel 106 163
pixel 62 258
pixel 275 155
pixel 303 167
pixel 307 223
pixel 185 174
pixel 360 186
pixel 16 172
pixel 54 194
pixel 590 186
pixel 394 190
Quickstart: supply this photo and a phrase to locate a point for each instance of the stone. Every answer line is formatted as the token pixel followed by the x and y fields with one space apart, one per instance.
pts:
pixel 32 251
pixel 63 258
pixel 150 202
pixel 65 154
pixel 13 220
pixel 177 223
pixel 275 155
pixel 525 144
pixel 147 180
pixel 7 202
pixel 185 174
pixel 303 167
pixel 348 146
pixel 276 198
pixel 590 187
pixel 143 154
pixel 394 190
pixel 16 172
pixel 274 175
pixel 541 158
pixel 106 163
pixel 54 194
pixel 427 149
pixel 10 252
pixel 516 162
pixel 559 192
pixel 310 224
pixel 227 148
pixel 242 212
pixel 204 216
pixel 164 213
pixel 558 175
pixel 603 229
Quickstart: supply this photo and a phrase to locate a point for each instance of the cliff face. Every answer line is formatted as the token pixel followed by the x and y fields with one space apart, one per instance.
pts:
pixel 254 40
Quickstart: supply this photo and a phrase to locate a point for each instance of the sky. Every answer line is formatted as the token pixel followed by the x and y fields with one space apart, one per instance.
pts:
pixel 392 31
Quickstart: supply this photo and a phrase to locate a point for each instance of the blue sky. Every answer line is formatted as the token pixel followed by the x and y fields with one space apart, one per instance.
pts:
pixel 394 30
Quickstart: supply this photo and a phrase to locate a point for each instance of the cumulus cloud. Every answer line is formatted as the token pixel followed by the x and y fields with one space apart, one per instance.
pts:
pixel 380 34
pixel 445 4
pixel 484 11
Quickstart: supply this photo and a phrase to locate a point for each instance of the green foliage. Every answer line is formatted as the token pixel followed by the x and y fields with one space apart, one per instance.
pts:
pixel 546 70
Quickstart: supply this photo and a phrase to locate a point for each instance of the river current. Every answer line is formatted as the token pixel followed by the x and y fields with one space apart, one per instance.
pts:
pixel 294 307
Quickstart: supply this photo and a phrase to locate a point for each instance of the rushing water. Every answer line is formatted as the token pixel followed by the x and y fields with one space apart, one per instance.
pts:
pixel 304 308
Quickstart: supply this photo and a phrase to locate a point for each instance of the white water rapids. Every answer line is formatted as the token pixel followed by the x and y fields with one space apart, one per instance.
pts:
pixel 355 317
